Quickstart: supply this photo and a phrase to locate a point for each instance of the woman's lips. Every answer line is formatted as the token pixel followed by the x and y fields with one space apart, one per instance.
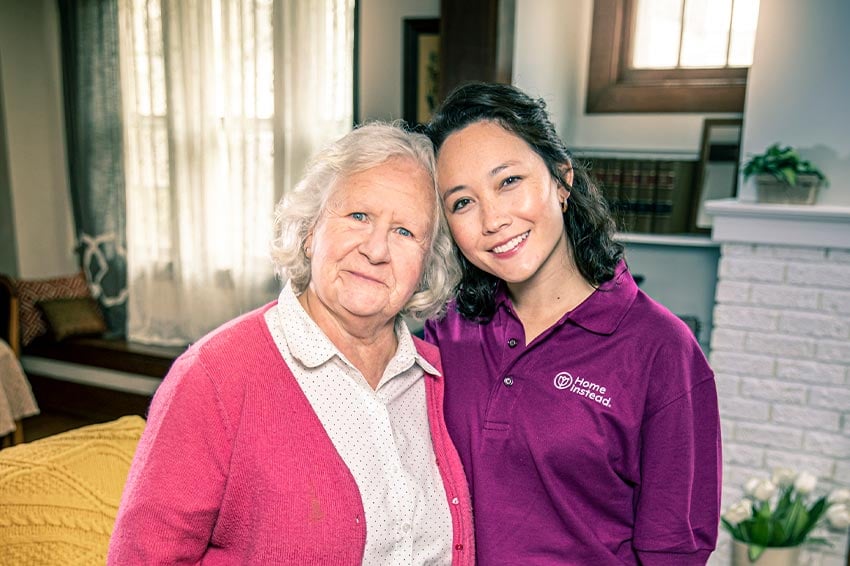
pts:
pixel 510 245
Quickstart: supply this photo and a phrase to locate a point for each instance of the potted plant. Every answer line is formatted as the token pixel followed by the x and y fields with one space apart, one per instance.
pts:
pixel 777 516
pixel 783 176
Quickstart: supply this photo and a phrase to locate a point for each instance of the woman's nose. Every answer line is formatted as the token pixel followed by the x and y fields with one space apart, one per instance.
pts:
pixel 375 246
pixel 493 217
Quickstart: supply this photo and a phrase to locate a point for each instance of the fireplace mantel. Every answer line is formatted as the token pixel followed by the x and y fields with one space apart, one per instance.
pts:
pixel 780 224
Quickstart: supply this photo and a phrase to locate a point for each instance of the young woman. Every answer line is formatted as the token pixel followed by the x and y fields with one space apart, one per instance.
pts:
pixel 584 412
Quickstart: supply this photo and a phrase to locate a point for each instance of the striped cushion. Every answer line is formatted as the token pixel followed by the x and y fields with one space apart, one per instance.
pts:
pixel 33 291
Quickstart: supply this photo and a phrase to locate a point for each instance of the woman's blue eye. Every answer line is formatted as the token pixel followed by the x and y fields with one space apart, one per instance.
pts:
pixel 460 203
pixel 405 232
pixel 359 216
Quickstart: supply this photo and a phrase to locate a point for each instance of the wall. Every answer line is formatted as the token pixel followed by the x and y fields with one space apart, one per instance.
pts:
pixel 8 249
pixel 780 352
pixel 551 60
pixel 35 142
pixel 381 53
pixel 799 86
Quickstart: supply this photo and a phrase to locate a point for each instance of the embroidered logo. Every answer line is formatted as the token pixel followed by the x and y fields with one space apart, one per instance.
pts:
pixel 582 387
pixel 563 380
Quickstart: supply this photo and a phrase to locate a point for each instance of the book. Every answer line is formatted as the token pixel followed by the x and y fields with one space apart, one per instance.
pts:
pixel 644 203
pixel 628 194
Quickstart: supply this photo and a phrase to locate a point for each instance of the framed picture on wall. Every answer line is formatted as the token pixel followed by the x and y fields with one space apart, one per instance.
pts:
pixel 717 171
pixel 421 63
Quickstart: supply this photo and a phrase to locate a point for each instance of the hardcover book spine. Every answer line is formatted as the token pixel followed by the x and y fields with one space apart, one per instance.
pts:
pixel 645 196
pixel 629 193
pixel 662 222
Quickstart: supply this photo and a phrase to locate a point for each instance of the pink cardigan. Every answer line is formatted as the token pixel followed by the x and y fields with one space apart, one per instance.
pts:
pixel 234 467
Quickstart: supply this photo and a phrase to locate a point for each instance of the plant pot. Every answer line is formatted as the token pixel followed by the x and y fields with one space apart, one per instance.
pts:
pixel 778 556
pixel 770 189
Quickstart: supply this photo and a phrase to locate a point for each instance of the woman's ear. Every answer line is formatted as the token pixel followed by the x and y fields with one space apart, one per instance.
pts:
pixel 567 175
pixel 308 244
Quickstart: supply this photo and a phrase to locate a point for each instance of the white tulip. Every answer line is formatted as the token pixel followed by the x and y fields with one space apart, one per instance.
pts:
pixel 839 496
pixel 751 485
pixel 838 516
pixel 783 477
pixel 764 490
pixel 805 483
pixel 741 511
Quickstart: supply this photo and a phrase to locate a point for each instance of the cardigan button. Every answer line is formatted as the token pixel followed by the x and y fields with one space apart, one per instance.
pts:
pixel 455 501
pixel 512 343
pixel 458 547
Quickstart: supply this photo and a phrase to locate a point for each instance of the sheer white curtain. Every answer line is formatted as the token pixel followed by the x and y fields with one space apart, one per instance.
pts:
pixel 224 100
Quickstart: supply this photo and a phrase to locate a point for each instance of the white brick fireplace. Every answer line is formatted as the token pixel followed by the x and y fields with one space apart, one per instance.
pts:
pixel 780 347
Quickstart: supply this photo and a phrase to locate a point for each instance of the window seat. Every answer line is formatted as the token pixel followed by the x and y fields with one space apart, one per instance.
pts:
pixel 110 354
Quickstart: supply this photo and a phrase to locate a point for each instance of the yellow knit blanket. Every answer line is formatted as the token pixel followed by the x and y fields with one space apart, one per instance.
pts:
pixel 59 495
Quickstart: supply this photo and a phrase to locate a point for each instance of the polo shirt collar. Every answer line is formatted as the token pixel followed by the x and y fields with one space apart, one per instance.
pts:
pixel 603 311
pixel 309 345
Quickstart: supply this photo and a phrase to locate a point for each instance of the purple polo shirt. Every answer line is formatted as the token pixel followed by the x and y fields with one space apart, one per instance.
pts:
pixel 598 443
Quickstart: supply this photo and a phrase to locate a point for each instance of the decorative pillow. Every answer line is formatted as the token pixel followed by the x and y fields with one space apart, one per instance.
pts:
pixel 59 495
pixel 32 291
pixel 73 317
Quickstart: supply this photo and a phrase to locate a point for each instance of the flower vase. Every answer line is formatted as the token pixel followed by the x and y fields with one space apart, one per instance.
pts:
pixel 772 556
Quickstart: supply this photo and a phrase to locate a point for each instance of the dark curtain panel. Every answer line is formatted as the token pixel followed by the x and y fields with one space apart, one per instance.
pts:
pixel 92 91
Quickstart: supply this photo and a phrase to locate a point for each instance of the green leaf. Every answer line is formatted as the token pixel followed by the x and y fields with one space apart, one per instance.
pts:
pixel 789 175
pixel 760 530
pixel 754 551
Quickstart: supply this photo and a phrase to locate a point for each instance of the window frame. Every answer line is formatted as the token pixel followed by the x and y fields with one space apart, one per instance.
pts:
pixel 614 87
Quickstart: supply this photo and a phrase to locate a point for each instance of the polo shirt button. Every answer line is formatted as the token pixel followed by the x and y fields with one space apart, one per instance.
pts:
pixel 512 343
pixel 508 381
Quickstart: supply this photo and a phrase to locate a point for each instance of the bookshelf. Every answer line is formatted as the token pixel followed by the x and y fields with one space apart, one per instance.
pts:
pixel 678 240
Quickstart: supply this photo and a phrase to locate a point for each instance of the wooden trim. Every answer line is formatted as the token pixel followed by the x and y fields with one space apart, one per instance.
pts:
pixel 614 87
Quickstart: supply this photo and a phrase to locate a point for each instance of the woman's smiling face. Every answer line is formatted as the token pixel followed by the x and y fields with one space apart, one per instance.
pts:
pixel 503 205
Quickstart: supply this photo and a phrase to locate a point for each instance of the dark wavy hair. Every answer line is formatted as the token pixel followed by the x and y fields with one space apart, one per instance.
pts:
pixel 588 222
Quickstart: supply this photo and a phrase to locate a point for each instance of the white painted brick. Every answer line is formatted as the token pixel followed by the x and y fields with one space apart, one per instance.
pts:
pixel 836 398
pixel 727 339
pixel 780 345
pixel 826 443
pixel 800 461
pixel 819 275
pixel 737 476
pixel 748 269
pixel 774 390
pixel 728 386
pixel 794 253
pixel 840 255
pixel 784 296
pixel 743 455
pixel 743 364
pixel 833 351
pixel 811 371
pixel 768 435
pixel 732 292
pixel 806 417
pixel 835 301
pixel 738 250
pixel 818 325
pixel 842 470
pixel 727 429
pixel 746 318
pixel 744 409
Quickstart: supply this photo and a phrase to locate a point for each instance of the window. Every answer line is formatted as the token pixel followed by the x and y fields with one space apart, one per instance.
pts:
pixel 670 55
pixel 223 102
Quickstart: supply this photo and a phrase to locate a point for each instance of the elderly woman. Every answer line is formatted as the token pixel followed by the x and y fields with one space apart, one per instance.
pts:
pixel 310 431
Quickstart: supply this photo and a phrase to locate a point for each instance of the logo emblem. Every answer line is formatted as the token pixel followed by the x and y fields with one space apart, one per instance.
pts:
pixel 563 380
